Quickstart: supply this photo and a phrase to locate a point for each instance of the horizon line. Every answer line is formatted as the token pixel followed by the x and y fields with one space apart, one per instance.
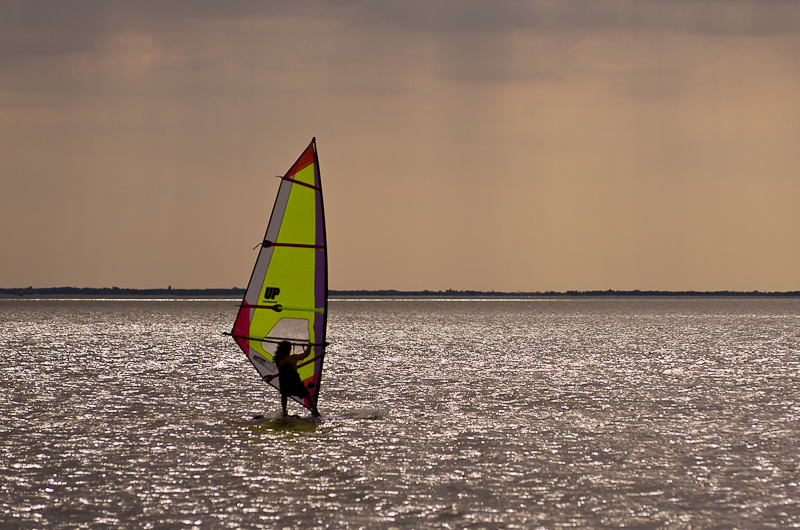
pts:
pixel 217 291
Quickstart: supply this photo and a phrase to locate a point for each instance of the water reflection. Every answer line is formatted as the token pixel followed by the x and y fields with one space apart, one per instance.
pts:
pixel 442 414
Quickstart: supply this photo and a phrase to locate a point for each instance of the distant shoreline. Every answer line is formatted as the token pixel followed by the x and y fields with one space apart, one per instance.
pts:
pixel 117 292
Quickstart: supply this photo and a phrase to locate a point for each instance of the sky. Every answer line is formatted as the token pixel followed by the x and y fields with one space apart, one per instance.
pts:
pixel 507 145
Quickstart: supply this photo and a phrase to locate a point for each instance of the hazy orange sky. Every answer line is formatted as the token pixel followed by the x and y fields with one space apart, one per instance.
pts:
pixel 503 145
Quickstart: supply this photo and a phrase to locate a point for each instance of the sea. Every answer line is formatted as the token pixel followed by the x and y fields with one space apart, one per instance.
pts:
pixel 587 413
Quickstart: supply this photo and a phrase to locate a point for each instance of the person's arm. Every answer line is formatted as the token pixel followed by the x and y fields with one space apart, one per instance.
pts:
pixel 303 354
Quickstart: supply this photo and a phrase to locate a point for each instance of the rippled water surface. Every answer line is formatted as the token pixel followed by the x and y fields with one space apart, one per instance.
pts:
pixel 583 413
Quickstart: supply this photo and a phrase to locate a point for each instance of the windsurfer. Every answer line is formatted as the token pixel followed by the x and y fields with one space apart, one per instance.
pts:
pixel 290 382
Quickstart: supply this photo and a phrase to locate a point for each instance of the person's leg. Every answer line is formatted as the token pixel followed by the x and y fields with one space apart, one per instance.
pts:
pixel 313 402
pixel 284 402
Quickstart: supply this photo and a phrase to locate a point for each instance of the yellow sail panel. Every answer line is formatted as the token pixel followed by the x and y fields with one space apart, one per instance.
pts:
pixel 287 296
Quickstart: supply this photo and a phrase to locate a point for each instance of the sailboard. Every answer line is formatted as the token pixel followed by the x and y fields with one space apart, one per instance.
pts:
pixel 287 296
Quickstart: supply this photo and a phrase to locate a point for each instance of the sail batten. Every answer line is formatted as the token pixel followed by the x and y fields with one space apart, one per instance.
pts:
pixel 268 244
pixel 302 183
pixel 287 296
pixel 287 308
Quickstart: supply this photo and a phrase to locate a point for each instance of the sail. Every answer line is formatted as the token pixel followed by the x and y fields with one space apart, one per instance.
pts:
pixel 287 297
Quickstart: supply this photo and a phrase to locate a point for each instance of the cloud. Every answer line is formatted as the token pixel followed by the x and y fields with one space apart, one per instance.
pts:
pixel 54 26
pixel 704 17
pixel 459 138
pixel 462 40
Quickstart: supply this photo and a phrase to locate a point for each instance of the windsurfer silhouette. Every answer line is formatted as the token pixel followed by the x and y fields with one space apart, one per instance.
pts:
pixel 290 382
